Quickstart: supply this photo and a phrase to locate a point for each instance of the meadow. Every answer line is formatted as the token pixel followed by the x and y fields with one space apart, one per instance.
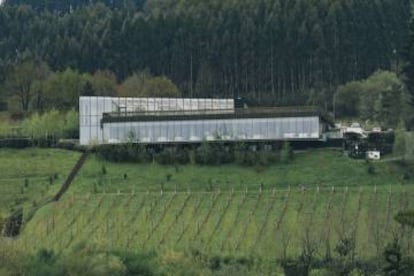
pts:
pixel 263 214
pixel 30 175
pixel 308 169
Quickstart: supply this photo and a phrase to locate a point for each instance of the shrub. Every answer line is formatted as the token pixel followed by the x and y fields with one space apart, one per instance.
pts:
pixel 103 169
pixel 205 154
pixel 180 156
pixel 371 168
pixel 64 144
pixel 164 157
pixel 267 157
pixel 286 153
pixel 15 142
pixel 224 154
pixel 124 153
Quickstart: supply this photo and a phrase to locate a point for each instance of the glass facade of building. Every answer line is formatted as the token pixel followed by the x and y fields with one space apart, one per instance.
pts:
pixel 194 127
pixel 290 128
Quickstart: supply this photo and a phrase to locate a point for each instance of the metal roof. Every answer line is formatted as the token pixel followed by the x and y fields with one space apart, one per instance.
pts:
pixel 264 112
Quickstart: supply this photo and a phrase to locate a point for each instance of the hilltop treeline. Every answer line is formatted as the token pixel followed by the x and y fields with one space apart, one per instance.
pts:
pixel 65 5
pixel 271 52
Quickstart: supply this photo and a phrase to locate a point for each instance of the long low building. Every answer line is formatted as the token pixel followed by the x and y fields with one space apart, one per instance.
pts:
pixel 106 120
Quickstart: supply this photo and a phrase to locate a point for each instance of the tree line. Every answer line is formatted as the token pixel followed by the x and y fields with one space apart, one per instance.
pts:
pixel 32 86
pixel 67 6
pixel 280 52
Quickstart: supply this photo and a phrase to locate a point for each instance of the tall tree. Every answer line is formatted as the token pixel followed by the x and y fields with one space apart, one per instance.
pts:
pixel 144 85
pixel 23 79
pixel 270 51
pixel 63 89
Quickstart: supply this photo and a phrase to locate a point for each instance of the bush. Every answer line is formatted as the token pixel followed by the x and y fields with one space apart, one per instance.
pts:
pixel 103 170
pixel 164 157
pixel 16 142
pixel 371 168
pixel 214 154
pixel 204 154
pixel 124 153
pixel 51 126
pixel 268 157
pixel 181 156
pixel 286 153
pixel 224 153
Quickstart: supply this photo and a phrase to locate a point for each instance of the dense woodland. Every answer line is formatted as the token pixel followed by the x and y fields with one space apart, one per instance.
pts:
pixel 67 5
pixel 270 51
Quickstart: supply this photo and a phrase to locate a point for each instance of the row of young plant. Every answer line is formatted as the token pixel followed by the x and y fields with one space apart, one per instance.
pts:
pixel 203 154
pixel 343 257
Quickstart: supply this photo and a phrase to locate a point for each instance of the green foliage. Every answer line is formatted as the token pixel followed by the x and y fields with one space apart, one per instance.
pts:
pixel 103 170
pixel 71 124
pixel 380 98
pixel 293 267
pixel 47 262
pixel 144 85
pixel 205 154
pixel 63 89
pixel 395 262
pixel 139 264
pixel 269 51
pixel 43 263
pixel 51 124
pixel 103 83
pixel 405 218
pixel 65 6
pixel 400 144
pixel 164 157
pixel 286 153
pixel 347 99
pixel 24 82
pixel 370 167
pixel 125 153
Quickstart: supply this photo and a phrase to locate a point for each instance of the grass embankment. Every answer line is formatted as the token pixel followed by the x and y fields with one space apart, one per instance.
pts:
pixel 324 168
pixel 30 175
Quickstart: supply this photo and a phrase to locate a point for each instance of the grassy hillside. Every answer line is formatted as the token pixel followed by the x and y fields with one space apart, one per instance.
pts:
pixel 324 168
pixel 253 225
pixel 32 174
pixel 264 214
pixel 29 175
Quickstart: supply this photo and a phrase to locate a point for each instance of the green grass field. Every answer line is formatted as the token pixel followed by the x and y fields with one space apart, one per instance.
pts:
pixel 265 225
pixel 324 168
pixel 266 213
pixel 30 175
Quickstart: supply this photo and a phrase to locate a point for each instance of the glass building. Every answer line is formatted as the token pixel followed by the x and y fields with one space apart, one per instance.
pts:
pixel 106 120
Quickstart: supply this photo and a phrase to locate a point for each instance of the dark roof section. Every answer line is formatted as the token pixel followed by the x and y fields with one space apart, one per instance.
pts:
pixel 263 112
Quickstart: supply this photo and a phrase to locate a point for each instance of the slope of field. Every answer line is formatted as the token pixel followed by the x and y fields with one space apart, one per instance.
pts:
pixel 30 175
pixel 267 224
pixel 315 202
pixel 324 168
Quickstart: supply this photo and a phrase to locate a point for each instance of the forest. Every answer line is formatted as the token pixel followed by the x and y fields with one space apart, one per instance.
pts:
pixel 274 52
